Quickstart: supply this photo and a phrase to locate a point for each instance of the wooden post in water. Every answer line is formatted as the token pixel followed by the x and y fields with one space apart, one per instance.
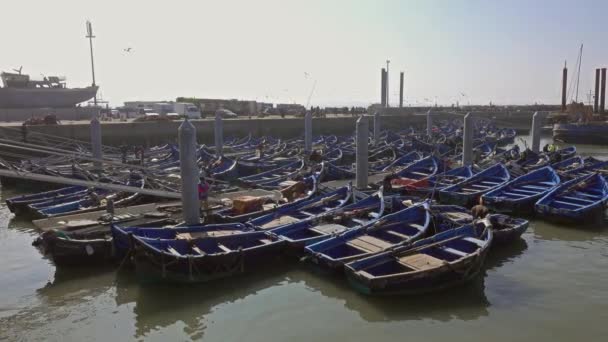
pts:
pixel 376 128
pixel 429 124
pixel 219 134
pixel 535 131
pixel 189 173
pixel 362 137
pixel 96 146
pixel 308 132
pixel 467 140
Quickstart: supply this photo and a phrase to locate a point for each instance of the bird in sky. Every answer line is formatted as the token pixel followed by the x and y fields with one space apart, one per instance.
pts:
pixel 306 74
pixel 127 49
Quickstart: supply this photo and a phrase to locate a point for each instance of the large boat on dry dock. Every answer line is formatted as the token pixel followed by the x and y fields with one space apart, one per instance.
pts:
pixel 20 91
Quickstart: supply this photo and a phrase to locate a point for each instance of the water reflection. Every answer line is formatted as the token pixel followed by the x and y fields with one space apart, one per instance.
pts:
pixel 551 232
pixel 465 302
pixel 160 306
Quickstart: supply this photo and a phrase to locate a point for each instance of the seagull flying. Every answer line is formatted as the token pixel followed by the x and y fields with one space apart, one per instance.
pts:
pixel 127 49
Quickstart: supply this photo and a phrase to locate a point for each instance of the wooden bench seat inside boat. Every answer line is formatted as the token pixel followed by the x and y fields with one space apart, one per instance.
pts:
pixel 327 229
pixel 199 235
pixel 369 244
pixel 420 262
pixel 279 221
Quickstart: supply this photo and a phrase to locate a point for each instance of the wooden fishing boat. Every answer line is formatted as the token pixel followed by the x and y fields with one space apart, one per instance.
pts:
pixel 203 259
pixel 431 185
pixel 392 230
pixel 312 207
pixel 581 200
pixel 468 192
pixel 520 194
pixel 89 241
pixel 443 260
pixel 318 228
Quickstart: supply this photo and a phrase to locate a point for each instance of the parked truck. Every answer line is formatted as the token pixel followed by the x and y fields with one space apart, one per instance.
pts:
pixel 188 109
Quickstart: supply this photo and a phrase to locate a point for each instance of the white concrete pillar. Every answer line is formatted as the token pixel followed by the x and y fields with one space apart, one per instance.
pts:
pixel 308 132
pixel 376 128
pixel 429 124
pixel 362 137
pixel 467 140
pixel 219 134
pixel 537 120
pixel 189 173
pixel 96 146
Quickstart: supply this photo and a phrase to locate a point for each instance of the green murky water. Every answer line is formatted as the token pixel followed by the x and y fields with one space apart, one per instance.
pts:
pixel 550 286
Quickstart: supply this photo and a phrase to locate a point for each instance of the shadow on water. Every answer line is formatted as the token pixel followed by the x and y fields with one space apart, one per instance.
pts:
pixel 500 255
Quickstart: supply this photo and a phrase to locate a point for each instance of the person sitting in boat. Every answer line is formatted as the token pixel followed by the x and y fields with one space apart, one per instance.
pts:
pixel 315 157
pixel 479 211
pixel 387 182
pixel 203 194
pixel 549 148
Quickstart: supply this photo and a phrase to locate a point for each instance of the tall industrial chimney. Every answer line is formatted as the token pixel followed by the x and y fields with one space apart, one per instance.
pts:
pixel 603 91
pixel 564 84
pixel 597 91
pixel 401 90
pixel 383 88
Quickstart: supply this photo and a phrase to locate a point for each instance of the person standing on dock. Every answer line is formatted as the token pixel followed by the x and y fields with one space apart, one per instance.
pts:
pixel 203 194
pixel 24 132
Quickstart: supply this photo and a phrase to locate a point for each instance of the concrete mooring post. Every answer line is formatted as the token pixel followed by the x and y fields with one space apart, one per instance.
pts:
pixel 189 173
pixel 308 132
pixel 537 120
pixel 218 134
pixel 467 140
pixel 362 137
pixel 376 128
pixel 96 147
pixel 429 124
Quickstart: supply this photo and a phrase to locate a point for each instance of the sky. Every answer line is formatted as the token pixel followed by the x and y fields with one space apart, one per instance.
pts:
pixel 313 52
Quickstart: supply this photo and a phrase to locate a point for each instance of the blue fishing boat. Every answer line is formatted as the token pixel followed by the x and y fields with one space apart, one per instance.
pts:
pixel 263 206
pixel 203 259
pixel 334 172
pixel 122 236
pixel 92 201
pixel 506 228
pixel 272 175
pixel 443 260
pixel 402 161
pixel 581 200
pixel 468 192
pixel 18 205
pixel 431 185
pixel 586 170
pixel 520 194
pixel 421 169
pixel 315 206
pixel 301 234
pixel 392 230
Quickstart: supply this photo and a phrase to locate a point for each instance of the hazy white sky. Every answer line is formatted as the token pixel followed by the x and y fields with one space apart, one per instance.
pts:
pixel 500 51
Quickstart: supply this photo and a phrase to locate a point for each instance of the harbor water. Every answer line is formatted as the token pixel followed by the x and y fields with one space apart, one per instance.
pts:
pixel 552 285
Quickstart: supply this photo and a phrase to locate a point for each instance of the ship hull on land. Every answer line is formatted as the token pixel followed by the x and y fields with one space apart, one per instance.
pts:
pixel 44 97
